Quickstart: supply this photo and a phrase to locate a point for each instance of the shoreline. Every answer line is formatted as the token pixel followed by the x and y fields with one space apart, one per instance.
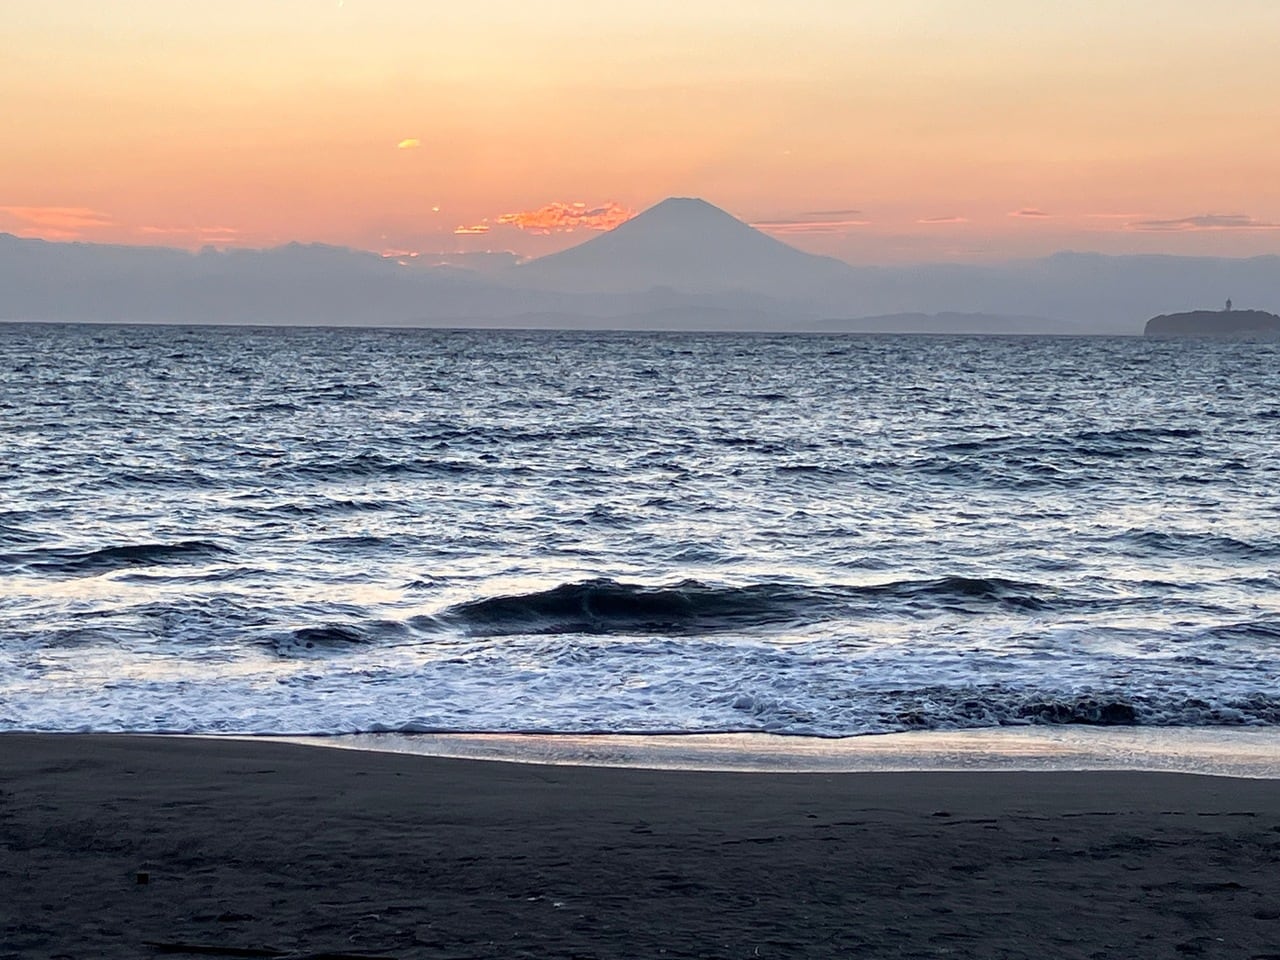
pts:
pixel 265 845
pixel 1250 752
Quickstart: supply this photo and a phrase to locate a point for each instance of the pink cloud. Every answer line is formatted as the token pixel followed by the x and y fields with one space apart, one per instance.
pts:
pixel 218 232
pixel 833 221
pixel 1206 221
pixel 558 217
pixel 1028 212
pixel 57 223
pixel 934 220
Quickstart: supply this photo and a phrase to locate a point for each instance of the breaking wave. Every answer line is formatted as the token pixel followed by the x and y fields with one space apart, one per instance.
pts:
pixel 605 606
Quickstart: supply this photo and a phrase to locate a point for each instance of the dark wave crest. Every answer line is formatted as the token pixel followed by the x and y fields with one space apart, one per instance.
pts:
pixel 328 636
pixel 119 557
pixel 324 639
pixel 1028 461
pixel 961 708
pixel 961 593
pixel 1181 544
pixel 369 465
pixel 1251 631
pixel 1087 443
pixel 16 535
pixel 604 606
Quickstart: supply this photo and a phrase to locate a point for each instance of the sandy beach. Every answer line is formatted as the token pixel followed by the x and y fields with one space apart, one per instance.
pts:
pixel 301 851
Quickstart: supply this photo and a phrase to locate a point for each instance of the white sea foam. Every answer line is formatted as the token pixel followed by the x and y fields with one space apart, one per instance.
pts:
pixel 1253 753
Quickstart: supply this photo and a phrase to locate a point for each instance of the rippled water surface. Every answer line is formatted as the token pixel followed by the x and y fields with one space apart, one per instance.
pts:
pixel 322 531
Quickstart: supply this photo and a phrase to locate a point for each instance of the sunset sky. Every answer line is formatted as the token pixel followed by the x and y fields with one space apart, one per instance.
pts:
pixel 875 132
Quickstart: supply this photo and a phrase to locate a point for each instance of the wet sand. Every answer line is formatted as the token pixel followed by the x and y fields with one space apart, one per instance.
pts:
pixel 305 850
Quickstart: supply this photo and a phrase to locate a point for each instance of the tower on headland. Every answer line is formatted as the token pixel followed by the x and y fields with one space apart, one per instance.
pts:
pixel 1228 304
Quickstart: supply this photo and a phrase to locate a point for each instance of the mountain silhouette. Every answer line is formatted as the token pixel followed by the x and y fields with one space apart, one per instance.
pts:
pixel 689 245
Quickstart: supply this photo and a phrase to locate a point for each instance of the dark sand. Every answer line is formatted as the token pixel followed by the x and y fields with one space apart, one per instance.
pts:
pixel 311 850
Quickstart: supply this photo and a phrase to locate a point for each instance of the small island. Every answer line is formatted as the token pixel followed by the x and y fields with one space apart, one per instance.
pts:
pixel 1228 323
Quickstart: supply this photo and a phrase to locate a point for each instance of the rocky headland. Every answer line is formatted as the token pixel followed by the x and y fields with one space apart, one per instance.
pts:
pixel 1242 324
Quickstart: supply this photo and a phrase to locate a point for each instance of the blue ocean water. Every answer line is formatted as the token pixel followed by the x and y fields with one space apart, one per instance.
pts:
pixel 334 530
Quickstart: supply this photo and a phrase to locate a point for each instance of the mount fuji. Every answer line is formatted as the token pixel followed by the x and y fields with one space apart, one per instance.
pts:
pixel 691 246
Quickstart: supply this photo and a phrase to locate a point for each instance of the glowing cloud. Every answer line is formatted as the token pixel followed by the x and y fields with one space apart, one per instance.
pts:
pixel 410 143
pixel 1206 221
pixel 565 217
pixel 58 223
pixel 817 221
pixel 476 230
pixel 935 220
pixel 220 234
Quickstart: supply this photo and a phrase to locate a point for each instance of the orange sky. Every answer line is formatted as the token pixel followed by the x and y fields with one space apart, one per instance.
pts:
pixel 938 129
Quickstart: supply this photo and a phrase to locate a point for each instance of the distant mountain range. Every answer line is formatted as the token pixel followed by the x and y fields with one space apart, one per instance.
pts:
pixel 683 264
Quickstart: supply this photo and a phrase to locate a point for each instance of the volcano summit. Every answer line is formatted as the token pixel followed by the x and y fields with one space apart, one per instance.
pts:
pixel 686 244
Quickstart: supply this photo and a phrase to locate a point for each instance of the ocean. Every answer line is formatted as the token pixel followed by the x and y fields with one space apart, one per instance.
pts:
pixel 327 531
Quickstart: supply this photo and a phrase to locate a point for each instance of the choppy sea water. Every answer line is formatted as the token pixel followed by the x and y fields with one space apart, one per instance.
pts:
pixel 230 530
